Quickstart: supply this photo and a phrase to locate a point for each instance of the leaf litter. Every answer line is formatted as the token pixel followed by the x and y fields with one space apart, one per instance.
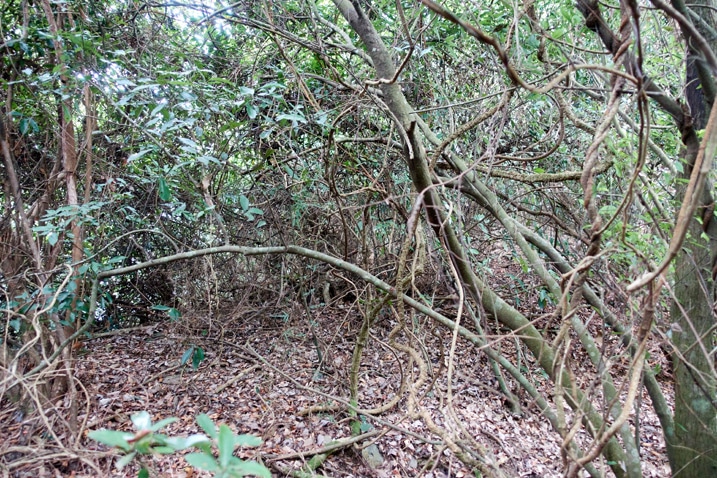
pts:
pixel 264 379
pixel 286 380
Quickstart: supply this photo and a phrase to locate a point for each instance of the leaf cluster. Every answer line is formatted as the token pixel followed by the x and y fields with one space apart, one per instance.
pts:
pixel 147 441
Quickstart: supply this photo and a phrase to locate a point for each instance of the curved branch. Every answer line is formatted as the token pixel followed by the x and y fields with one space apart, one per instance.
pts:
pixel 594 20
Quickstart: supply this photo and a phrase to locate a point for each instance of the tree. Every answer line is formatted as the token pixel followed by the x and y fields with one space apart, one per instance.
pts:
pixel 391 136
pixel 693 309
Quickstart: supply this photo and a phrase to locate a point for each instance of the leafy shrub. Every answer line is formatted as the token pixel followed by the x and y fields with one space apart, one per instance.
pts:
pixel 147 441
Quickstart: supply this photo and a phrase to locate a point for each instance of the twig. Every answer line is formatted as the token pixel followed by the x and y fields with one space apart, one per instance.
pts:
pixel 330 448
pixel 236 378
pixel 162 372
pixel 119 332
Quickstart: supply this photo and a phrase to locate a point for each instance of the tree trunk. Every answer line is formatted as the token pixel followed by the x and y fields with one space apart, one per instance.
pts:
pixel 693 451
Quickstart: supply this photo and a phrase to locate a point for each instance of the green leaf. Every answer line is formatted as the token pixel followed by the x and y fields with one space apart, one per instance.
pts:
pixel 157 109
pixel 112 438
pixel 248 440
pixel 251 111
pixel 143 473
pixel 125 460
pixel 163 450
pixel 181 443
pixel 141 421
pixel 202 461
pixel 293 117
pixel 226 445
pixel 28 124
pixel 197 357
pixel 165 194
pixel 244 202
pixel 174 314
pixel 115 260
pixel 163 423
pixel 137 155
pixel 207 425
pixel 365 425
pixel 190 146
pixel 144 87
pixel 253 468
pixel 234 462
pixel 187 355
pixel 205 160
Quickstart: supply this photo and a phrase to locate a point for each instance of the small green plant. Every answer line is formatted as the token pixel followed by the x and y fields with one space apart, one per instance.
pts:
pixel 195 353
pixel 146 441
pixel 544 298
pixel 226 465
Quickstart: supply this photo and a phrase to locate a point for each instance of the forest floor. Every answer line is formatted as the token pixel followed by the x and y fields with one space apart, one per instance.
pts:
pixel 261 375
pixel 263 379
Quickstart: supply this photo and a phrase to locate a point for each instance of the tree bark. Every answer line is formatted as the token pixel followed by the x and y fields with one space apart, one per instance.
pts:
pixel 693 453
